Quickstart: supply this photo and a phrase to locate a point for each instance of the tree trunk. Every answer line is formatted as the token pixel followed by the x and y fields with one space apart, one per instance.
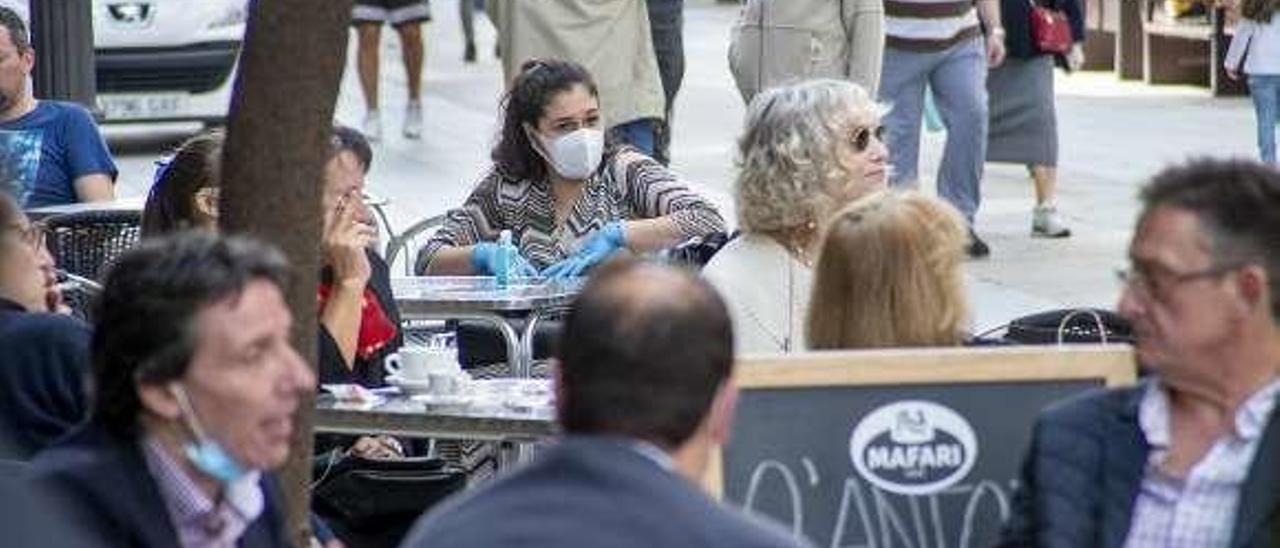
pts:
pixel 278 136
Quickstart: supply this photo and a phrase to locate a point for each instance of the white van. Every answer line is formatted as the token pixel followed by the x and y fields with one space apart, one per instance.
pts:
pixel 166 60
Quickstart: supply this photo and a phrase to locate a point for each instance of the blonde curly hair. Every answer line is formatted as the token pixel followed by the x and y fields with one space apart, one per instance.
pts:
pixel 788 154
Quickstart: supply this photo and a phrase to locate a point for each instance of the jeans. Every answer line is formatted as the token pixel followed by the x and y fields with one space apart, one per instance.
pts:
pixel 1265 90
pixel 957 76
pixel 641 134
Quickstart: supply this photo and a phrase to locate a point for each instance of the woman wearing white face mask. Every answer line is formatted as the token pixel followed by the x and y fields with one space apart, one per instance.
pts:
pixel 569 199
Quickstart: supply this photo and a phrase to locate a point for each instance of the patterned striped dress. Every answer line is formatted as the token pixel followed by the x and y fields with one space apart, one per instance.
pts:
pixel 628 186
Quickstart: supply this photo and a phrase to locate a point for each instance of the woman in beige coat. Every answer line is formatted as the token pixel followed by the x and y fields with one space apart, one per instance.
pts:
pixel 786 41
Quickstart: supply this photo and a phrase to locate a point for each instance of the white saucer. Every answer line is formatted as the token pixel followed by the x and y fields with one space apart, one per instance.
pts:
pixel 409 386
pixel 442 399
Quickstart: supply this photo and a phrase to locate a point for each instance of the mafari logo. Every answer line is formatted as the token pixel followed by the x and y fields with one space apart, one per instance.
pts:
pixel 913 447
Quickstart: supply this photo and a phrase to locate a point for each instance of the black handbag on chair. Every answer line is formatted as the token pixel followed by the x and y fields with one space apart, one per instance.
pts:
pixel 374 502
pixel 1070 325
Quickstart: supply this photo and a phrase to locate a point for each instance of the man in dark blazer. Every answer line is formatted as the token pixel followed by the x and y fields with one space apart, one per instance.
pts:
pixel 1190 456
pixel 644 394
pixel 196 384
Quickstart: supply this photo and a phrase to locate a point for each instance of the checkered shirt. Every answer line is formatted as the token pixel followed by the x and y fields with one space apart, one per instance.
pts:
pixel 200 522
pixel 1199 510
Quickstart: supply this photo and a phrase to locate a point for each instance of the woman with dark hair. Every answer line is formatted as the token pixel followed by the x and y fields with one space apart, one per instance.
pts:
pixel 569 199
pixel 359 322
pixel 45 353
pixel 185 192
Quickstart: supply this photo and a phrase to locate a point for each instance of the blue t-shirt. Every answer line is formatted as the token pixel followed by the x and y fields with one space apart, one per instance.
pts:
pixel 43 152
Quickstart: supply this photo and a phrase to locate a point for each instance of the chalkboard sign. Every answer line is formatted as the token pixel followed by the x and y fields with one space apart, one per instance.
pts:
pixel 900 448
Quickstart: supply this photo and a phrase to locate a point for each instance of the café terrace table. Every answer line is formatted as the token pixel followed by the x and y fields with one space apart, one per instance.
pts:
pixel 400 415
pixel 480 298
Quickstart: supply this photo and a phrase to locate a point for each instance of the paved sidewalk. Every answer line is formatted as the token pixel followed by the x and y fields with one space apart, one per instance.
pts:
pixel 1113 134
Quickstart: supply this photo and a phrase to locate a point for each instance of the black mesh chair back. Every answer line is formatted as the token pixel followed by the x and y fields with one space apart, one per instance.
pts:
pixel 85 242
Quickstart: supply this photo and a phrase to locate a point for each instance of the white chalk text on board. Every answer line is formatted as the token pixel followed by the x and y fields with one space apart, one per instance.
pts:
pixel 871 517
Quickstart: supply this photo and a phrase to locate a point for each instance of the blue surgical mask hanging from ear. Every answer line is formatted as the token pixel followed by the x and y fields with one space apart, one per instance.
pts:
pixel 205 454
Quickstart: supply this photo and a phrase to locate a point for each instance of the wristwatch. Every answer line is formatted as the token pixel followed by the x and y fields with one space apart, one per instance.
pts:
pixel 998 32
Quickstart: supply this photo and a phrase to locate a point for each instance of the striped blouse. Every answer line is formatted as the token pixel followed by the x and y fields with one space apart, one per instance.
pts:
pixel 629 186
pixel 929 25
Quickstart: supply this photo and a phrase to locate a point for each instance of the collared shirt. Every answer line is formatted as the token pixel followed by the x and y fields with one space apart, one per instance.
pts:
pixel 653 453
pixel 200 522
pixel 1199 510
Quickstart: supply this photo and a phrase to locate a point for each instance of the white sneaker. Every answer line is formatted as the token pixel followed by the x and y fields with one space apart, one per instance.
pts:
pixel 1046 223
pixel 413 120
pixel 372 126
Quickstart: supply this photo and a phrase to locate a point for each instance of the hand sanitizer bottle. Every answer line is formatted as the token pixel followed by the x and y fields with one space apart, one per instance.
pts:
pixel 503 274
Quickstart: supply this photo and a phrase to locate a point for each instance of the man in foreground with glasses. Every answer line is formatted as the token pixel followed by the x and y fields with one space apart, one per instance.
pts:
pixel 1187 457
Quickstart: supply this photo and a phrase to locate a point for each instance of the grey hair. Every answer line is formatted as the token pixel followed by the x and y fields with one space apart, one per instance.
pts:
pixel 788 155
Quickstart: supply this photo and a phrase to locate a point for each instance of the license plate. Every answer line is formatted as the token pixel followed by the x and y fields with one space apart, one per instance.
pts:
pixel 135 107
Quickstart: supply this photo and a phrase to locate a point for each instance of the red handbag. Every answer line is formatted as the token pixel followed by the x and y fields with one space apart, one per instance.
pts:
pixel 1050 30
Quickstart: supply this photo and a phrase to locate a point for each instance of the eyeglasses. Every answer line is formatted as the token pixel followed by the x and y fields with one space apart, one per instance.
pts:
pixel 1147 285
pixel 861 138
pixel 32 234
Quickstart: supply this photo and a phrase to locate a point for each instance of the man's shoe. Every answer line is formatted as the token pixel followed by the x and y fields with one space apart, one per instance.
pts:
pixel 1046 223
pixel 977 248
pixel 413 120
pixel 469 54
pixel 372 126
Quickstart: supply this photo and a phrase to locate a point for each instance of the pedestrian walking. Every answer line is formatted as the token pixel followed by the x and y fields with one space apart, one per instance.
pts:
pixel 467 13
pixel 1257 42
pixel 1023 126
pixel 666 28
pixel 406 16
pixel 941 44
pixel 611 38
pixel 778 42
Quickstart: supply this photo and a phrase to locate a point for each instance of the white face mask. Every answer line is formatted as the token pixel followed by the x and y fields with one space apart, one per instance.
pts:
pixel 575 155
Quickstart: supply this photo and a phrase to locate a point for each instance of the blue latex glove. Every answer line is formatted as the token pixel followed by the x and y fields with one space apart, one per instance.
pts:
pixel 597 248
pixel 485 261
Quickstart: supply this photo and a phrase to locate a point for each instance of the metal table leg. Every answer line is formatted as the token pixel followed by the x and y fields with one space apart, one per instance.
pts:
pixel 530 329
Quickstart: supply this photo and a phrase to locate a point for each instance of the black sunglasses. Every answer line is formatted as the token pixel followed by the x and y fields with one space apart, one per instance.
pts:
pixel 862 137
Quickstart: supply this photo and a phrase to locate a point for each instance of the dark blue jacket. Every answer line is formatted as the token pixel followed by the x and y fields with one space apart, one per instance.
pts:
pixel 105 488
pixel 590 491
pixel 1083 471
pixel 44 363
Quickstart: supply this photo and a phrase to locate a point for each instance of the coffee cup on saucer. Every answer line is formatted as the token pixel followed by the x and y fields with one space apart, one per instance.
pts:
pixel 413 363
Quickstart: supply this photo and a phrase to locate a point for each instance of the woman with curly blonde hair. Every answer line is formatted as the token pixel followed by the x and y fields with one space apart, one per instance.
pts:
pixel 889 275
pixel 807 150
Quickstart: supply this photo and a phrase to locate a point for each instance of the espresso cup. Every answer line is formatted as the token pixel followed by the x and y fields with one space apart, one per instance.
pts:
pixel 413 364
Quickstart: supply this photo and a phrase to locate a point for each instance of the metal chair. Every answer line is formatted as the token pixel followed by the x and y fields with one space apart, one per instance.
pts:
pixel 401 243
pixel 84 243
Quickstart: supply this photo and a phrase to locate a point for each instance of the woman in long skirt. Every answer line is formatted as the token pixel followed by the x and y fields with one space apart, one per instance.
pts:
pixel 1023 127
